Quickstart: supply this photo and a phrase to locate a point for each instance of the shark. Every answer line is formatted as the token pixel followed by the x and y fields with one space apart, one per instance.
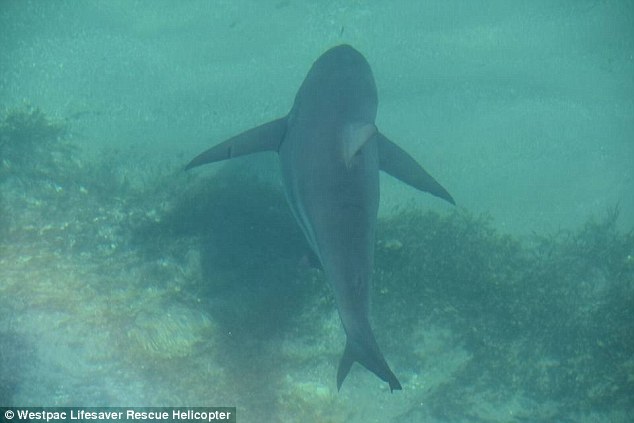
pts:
pixel 330 154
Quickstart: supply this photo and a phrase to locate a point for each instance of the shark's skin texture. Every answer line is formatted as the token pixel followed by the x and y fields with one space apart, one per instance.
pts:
pixel 330 155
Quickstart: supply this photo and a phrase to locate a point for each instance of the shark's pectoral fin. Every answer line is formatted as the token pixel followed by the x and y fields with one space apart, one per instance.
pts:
pixel 355 136
pixel 396 162
pixel 370 358
pixel 267 137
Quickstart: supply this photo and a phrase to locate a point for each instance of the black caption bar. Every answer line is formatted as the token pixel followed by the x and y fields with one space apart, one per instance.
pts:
pixel 118 414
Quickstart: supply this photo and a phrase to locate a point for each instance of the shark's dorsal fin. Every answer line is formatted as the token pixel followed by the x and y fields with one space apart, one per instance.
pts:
pixel 354 137
pixel 267 137
pixel 396 162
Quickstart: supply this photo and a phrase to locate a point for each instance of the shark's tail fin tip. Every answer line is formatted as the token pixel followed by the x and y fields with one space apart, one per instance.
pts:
pixel 344 366
pixel 382 370
pixel 395 385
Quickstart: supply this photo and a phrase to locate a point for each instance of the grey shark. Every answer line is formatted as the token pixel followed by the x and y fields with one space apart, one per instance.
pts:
pixel 330 153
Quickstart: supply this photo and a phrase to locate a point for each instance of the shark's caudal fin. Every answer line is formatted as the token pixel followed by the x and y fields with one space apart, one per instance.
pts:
pixel 371 359
pixel 267 137
pixel 402 166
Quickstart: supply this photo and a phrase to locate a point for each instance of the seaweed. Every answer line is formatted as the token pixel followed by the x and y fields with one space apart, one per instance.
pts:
pixel 15 353
pixel 31 142
pixel 551 319
pixel 185 270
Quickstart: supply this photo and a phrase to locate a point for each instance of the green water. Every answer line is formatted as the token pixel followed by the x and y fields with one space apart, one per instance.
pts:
pixel 125 281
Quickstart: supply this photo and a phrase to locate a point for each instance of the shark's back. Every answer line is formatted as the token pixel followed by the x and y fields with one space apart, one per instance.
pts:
pixel 336 100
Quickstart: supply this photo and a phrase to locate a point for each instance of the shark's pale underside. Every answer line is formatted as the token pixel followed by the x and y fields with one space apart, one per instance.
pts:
pixel 330 154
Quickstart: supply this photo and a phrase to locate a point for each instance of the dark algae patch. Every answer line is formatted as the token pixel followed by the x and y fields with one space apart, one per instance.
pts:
pixel 550 318
pixel 29 139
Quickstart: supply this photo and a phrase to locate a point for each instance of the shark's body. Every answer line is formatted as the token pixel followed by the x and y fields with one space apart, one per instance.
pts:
pixel 330 154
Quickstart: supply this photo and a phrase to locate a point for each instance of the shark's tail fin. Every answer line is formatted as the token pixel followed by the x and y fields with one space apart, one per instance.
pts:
pixel 371 359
